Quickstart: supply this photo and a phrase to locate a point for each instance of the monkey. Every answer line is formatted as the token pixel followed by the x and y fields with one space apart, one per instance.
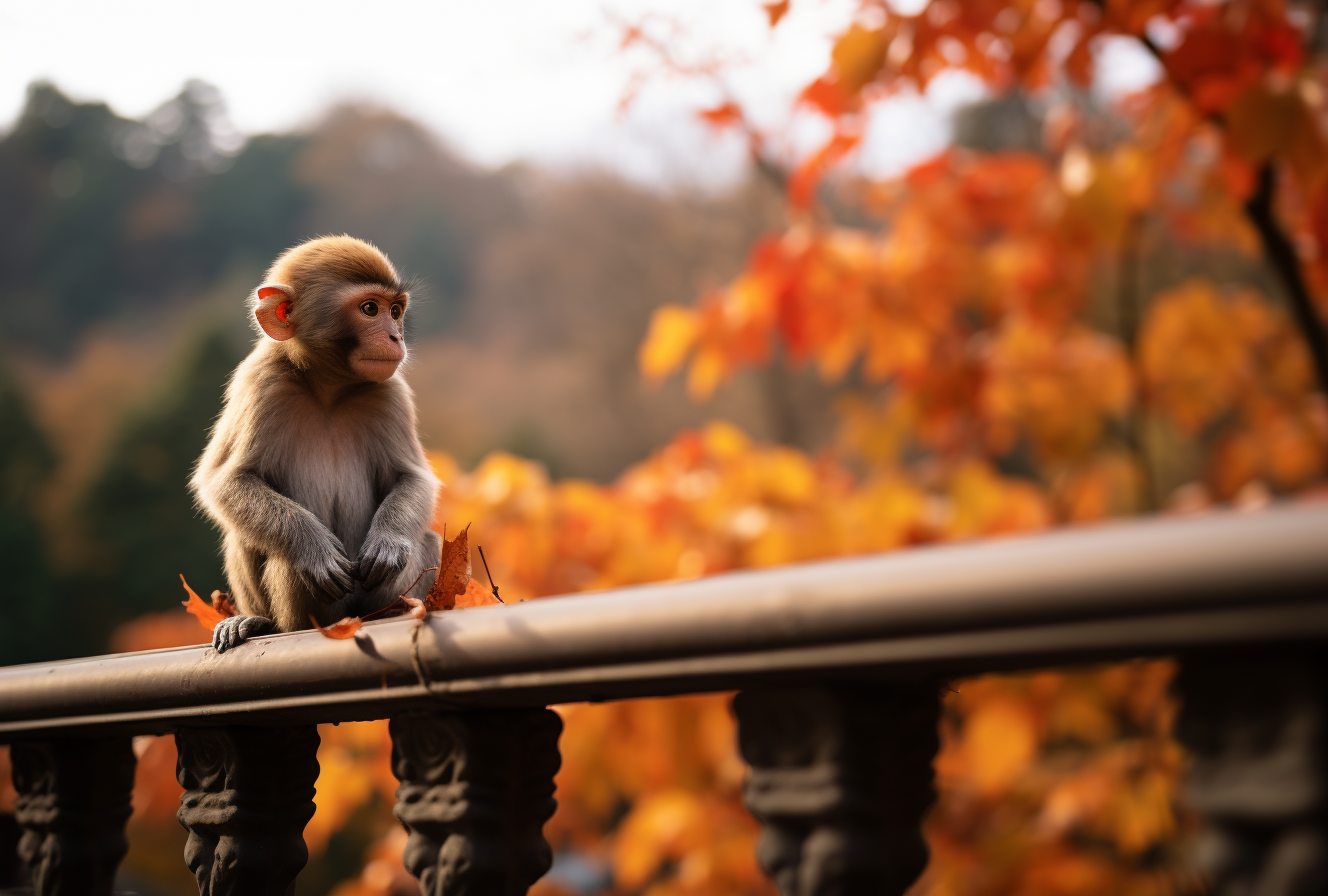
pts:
pixel 314 472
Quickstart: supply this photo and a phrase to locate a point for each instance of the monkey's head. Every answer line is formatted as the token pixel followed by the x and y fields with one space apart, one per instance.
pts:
pixel 336 305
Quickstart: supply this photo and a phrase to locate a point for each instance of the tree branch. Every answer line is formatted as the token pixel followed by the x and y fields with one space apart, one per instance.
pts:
pixel 1281 255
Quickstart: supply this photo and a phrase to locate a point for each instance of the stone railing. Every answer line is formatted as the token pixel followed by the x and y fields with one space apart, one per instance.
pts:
pixel 837 666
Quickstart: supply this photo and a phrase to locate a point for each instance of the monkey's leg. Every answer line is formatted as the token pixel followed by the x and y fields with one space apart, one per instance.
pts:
pixel 243 575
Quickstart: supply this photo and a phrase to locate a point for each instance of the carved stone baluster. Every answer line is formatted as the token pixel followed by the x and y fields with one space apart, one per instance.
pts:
pixel 1256 731
pixel 840 779
pixel 73 801
pixel 476 789
pixel 248 795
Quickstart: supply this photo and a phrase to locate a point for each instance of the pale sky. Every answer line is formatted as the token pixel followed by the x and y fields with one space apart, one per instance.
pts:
pixel 500 80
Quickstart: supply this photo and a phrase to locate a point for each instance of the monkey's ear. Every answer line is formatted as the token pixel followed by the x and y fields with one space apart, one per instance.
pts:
pixel 273 310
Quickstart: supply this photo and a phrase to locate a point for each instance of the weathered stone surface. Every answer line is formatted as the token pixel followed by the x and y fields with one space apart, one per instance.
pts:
pixel 248 795
pixel 1256 732
pixel 73 801
pixel 476 789
pixel 840 779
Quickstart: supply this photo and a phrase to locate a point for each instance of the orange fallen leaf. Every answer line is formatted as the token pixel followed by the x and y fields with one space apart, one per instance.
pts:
pixel 453 572
pixel 222 603
pixel 340 630
pixel 207 616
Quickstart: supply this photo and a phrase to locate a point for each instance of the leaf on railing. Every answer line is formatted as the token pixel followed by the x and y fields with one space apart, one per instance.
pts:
pixel 207 616
pixel 340 630
pixel 453 572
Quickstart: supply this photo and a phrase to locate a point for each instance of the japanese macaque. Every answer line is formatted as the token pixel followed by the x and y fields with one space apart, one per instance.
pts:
pixel 314 472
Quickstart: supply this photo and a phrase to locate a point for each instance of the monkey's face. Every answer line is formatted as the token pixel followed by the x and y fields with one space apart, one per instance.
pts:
pixel 377 319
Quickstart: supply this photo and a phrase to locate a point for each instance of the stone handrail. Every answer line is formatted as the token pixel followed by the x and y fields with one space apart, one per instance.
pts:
pixel 837 664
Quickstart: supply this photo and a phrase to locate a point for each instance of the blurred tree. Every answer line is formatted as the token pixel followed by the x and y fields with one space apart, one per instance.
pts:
pixel 139 514
pixel 31 631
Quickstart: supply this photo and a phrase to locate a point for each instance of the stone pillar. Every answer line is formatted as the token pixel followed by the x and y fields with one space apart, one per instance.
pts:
pixel 840 780
pixel 1255 728
pixel 73 802
pixel 248 795
pixel 476 789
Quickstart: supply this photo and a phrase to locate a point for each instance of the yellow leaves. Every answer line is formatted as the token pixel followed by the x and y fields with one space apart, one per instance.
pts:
pixel 1058 388
pixel 858 56
pixel 673 331
pixel 985 503
pixel 1195 353
pixel 1000 740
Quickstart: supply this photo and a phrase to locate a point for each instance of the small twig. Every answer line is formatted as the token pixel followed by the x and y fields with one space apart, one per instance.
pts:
pixel 398 598
pixel 489 574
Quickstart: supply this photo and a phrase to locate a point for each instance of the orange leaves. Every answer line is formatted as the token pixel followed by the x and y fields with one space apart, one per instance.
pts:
pixel 1057 387
pixel 1033 766
pixel 340 630
pixel 802 185
pixel 776 11
pixel 723 115
pixel 1209 359
pixel 207 615
pixel 858 57
pixel 1197 351
pixel 1264 122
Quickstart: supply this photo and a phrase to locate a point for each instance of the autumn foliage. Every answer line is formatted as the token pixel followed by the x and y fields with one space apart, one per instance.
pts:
pixel 1126 317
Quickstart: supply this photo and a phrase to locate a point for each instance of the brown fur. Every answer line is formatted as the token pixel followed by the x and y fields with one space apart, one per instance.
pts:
pixel 318 481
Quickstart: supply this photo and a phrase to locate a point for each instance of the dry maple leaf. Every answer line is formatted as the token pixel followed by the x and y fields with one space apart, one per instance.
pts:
pixel 207 616
pixel 453 572
pixel 341 630
pixel 222 603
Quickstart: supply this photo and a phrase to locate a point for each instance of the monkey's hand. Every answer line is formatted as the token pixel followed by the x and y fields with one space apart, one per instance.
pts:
pixel 382 558
pixel 324 569
pixel 235 630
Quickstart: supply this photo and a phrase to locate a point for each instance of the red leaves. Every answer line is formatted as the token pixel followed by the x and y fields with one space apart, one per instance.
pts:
pixel 207 615
pixel 776 11
pixel 453 573
pixel 725 114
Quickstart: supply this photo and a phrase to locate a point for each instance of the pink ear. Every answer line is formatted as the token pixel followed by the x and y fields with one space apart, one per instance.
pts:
pixel 273 311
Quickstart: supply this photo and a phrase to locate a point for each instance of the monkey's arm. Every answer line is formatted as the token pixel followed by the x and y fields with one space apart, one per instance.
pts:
pixel 397 526
pixel 274 524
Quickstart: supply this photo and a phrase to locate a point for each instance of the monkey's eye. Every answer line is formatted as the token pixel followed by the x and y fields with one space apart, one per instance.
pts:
pixel 369 308
pixel 397 311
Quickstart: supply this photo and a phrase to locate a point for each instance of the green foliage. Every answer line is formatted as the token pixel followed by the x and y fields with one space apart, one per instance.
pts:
pixel 26 463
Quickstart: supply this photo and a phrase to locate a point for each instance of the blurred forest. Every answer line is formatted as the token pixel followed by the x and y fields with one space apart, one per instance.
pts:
pixel 127 249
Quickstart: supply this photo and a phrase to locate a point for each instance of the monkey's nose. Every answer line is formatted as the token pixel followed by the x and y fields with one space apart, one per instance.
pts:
pixel 394 337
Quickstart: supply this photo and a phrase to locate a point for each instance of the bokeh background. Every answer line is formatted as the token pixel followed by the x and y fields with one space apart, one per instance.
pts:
pixel 924 271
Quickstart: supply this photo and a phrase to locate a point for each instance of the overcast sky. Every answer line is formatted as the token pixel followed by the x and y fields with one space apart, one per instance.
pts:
pixel 499 79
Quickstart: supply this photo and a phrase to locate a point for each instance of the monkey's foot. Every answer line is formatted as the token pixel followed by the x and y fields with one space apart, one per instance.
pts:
pixel 235 630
